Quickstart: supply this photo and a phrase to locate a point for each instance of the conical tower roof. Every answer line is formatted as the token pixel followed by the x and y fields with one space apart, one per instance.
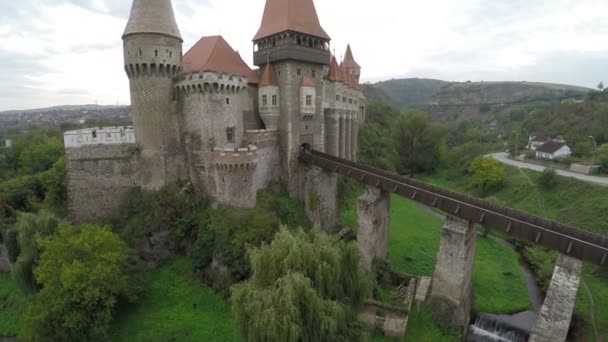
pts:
pixel 334 74
pixel 290 15
pixel 349 60
pixel 152 16
pixel 268 77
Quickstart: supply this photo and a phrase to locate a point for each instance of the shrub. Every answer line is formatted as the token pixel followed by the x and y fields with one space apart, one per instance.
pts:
pixel 488 175
pixel 84 272
pixel 548 179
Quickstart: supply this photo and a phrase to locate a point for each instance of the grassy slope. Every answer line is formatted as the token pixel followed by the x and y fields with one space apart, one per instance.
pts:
pixel 12 304
pixel 572 202
pixel 177 308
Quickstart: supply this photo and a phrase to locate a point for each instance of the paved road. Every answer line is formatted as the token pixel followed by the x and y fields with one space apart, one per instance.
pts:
pixel 503 158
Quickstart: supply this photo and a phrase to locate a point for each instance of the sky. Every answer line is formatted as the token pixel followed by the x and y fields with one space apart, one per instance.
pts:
pixel 58 52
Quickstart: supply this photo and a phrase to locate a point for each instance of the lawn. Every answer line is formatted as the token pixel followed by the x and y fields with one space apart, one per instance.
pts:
pixel 572 202
pixel 13 302
pixel 176 308
pixel 498 283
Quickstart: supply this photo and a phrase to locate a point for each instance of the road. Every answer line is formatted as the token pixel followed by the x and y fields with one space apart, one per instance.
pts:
pixel 503 157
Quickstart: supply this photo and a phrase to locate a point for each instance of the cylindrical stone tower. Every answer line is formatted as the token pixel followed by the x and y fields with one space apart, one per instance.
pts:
pixel 152 54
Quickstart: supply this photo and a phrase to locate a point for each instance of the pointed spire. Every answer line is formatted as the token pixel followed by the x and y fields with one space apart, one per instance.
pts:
pixel 152 16
pixel 334 74
pixel 268 77
pixel 349 60
pixel 290 15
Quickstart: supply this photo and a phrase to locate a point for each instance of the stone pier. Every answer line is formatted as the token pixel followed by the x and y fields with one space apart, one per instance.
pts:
pixel 553 322
pixel 321 198
pixel 374 220
pixel 451 294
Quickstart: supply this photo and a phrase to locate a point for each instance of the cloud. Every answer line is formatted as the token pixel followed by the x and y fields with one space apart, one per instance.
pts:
pixel 70 51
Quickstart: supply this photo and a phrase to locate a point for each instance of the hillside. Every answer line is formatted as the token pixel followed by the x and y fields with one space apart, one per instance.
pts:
pixel 61 108
pixel 405 93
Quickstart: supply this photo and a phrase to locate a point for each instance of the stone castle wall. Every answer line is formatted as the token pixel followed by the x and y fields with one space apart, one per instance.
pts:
pixel 99 177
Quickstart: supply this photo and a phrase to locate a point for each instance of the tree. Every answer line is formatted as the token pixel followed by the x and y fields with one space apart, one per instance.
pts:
pixel 548 179
pixel 302 289
pixel 600 86
pixel 84 272
pixel 418 142
pixel 30 228
pixel 488 174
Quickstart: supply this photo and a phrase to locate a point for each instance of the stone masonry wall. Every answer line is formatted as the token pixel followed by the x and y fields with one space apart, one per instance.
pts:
pixel 553 322
pixel 373 215
pixel 99 177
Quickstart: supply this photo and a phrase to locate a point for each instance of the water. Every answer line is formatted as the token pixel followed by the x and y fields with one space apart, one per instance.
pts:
pixel 497 328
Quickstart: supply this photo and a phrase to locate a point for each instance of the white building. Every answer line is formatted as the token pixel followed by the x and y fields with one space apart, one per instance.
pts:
pixel 553 150
pixel 99 136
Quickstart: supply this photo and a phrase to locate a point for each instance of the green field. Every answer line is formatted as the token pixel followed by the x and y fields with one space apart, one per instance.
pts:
pixel 176 308
pixel 573 202
pixel 12 304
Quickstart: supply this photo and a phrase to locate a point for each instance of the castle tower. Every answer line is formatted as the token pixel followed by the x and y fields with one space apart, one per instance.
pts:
pixel 269 98
pixel 291 38
pixel 152 55
pixel 350 65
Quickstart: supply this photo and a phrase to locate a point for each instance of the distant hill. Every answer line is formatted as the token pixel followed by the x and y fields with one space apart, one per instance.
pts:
pixel 405 93
pixel 412 92
pixel 62 108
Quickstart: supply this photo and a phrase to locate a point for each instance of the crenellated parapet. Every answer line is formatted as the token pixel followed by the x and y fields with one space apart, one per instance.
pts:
pixel 262 138
pixel 99 136
pixel 235 158
pixel 209 82
pixel 151 70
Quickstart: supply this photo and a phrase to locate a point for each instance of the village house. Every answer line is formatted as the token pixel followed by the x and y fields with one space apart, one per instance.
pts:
pixel 553 150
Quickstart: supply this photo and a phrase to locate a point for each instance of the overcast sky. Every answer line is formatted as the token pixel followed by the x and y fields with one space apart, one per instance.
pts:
pixel 55 52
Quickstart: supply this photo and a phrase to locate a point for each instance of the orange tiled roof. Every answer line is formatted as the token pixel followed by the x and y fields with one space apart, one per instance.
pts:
pixel 290 15
pixel 215 54
pixel 334 74
pixel 307 81
pixel 349 60
pixel 268 77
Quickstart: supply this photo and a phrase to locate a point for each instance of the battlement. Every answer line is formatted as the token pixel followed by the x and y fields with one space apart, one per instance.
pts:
pixel 233 158
pixel 99 136
pixel 262 138
pixel 210 82
pixel 146 70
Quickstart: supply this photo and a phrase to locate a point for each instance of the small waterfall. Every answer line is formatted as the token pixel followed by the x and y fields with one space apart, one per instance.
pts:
pixel 490 328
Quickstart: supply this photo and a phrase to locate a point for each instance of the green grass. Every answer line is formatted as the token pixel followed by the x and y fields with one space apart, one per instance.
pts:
pixel 422 326
pixel 13 302
pixel 176 308
pixel 498 282
pixel 572 202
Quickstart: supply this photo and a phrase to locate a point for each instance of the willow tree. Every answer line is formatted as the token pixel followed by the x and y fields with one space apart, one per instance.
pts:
pixel 303 288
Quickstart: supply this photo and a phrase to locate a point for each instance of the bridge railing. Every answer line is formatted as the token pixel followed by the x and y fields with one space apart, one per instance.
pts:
pixel 553 235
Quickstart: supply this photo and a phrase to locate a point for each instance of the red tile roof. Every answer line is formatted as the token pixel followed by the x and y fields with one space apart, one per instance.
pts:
pixel 152 16
pixel 268 77
pixel 308 82
pixel 290 15
pixel 349 60
pixel 215 54
pixel 335 74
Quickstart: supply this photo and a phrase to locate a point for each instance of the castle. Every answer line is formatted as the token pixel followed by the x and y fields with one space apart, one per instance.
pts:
pixel 207 118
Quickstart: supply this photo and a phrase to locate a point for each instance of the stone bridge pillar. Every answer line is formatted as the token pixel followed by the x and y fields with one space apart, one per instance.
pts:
pixel 373 215
pixel 321 198
pixel 553 321
pixel 452 293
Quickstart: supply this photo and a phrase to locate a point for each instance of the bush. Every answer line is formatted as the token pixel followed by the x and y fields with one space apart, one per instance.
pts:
pixel 488 175
pixel 84 272
pixel 548 179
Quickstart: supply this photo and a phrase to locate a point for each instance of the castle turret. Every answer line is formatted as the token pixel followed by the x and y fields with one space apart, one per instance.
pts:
pixel 268 98
pixel 350 65
pixel 291 38
pixel 152 54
